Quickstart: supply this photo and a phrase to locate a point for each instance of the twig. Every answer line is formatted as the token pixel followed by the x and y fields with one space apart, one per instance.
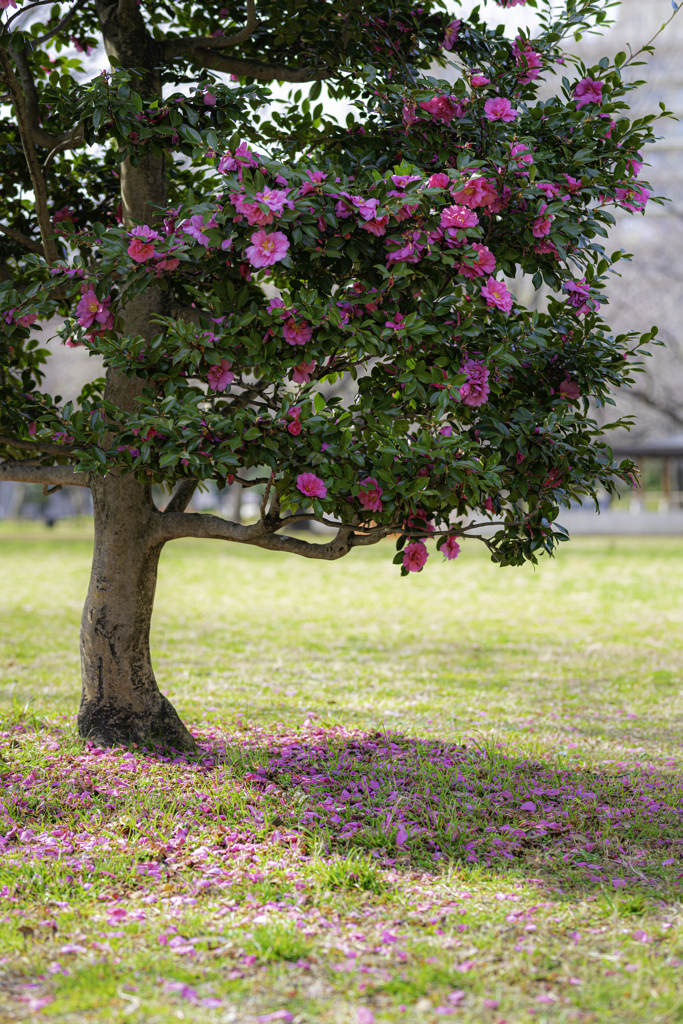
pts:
pixel 39 188
pixel 62 24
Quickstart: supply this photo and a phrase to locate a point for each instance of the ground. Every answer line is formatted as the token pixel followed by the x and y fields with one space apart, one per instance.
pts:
pixel 454 795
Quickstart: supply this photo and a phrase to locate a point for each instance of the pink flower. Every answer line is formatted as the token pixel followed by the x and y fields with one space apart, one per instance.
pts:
pixel 588 90
pixel 411 252
pixel 477 192
pixel 633 199
pixel 578 296
pixel 364 1015
pixel 542 224
pixel 485 262
pixel 141 247
pixel 499 109
pixel 297 333
pixel 451 35
pixel 377 226
pixel 397 323
pixel 301 374
pixel 439 180
pixel 294 427
pixel 510 3
pixel 443 108
pixel 403 180
pixel 219 377
pixel 475 390
pixel 371 497
pixel 4 4
pixel 458 217
pixel 570 389
pixel 521 154
pixel 408 114
pixel 66 213
pixel 446 431
pixel 196 226
pixel 528 61
pixel 634 164
pixel 243 158
pixel 90 311
pixel 414 556
pixel 267 249
pixel 311 485
pixel 27 320
pixel 451 549
pixel 209 99
pixel 573 184
pixel 497 294
pixel 479 80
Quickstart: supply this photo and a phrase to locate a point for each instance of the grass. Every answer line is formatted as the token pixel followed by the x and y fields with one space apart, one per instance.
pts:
pixel 456 795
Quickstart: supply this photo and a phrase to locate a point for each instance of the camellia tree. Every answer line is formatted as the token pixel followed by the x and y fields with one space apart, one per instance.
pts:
pixel 231 252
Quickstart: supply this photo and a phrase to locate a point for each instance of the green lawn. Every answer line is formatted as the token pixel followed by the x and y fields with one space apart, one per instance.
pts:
pixel 453 795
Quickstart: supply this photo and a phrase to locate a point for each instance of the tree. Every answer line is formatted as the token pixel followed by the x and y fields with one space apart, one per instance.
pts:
pixel 231 253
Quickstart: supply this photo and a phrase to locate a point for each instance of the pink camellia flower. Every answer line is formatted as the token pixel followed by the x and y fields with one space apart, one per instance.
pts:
pixel 633 199
pixel 588 90
pixel 446 431
pixel 542 224
pixel 485 262
pixel 498 108
pixel 635 164
pixel 496 294
pixel 220 376
pixel 209 98
pixel 297 333
pixel 439 180
pixel 141 247
pixel 578 296
pixel 477 192
pixel 196 226
pixel 403 180
pixel 546 248
pixel 458 217
pixel 4 4
pixel 371 495
pixel 451 35
pixel 478 81
pixel 267 249
pixel 573 184
pixel 414 556
pixel 411 252
pixel 294 427
pixel 527 60
pixel 443 108
pixel 91 311
pixel 377 226
pixel 549 190
pixel 397 323
pixel 475 391
pixel 451 549
pixel 521 154
pixel 301 374
pixel 408 114
pixel 66 213
pixel 570 389
pixel 510 3
pixel 311 485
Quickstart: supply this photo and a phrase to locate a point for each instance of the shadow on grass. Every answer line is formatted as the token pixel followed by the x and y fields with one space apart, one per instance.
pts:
pixel 371 800
pixel 424 804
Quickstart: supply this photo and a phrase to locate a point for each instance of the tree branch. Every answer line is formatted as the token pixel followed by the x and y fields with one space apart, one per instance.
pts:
pixel 217 42
pixel 70 143
pixel 23 472
pixel 182 497
pixel 28 243
pixel 39 188
pixel 209 527
pixel 28 85
pixel 35 446
pixel 61 24
pixel 205 58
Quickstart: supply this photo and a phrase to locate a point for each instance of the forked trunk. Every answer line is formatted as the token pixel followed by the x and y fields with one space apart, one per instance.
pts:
pixel 121 702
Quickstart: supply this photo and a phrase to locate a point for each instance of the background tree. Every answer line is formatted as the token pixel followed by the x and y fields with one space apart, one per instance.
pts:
pixel 230 254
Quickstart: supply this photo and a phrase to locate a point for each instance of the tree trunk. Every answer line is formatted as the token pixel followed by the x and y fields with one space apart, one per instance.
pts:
pixel 120 700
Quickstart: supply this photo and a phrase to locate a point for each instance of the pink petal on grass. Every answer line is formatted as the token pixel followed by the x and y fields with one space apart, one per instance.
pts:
pixel 364 1015
pixel 275 1015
